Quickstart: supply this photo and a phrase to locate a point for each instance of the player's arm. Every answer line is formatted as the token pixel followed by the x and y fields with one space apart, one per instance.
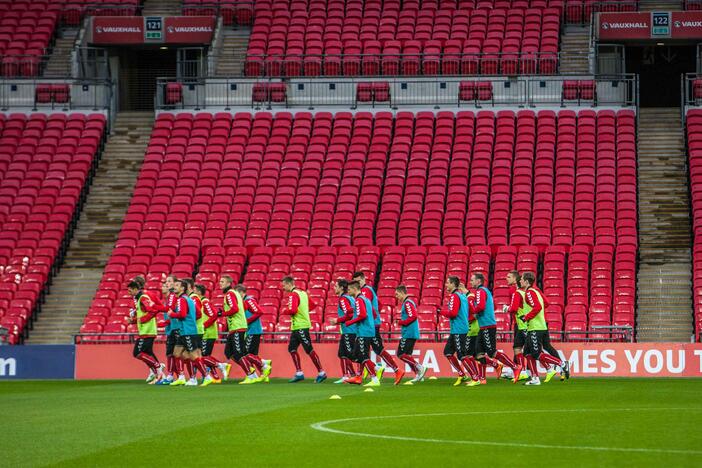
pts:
pixel 452 307
pixel 515 304
pixel 533 300
pixel 346 308
pixel 362 313
pixel 149 307
pixel 198 308
pixel 233 304
pixel 478 304
pixel 181 310
pixel 411 314
pixel 255 310
pixel 292 304
pixel 210 312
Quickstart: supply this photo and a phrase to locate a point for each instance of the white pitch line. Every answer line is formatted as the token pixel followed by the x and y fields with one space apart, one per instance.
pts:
pixel 322 426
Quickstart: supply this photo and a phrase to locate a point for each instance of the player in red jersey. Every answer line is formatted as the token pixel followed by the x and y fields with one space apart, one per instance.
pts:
pixel 253 334
pixel 145 318
pixel 516 310
pixel 377 342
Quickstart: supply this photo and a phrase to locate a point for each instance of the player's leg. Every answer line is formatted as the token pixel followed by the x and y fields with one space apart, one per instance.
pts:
pixel 350 355
pixel 368 364
pixel 548 347
pixel 358 358
pixel 293 345
pixel 519 341
pixel 252 356
pixel 210 362
pixel 179 354
pixel 532 350
pixel 469 362
pixel 342 355
pixel 140 352
pixel 379 349
pixel 450 353
pixel 306 342
pixel 239 344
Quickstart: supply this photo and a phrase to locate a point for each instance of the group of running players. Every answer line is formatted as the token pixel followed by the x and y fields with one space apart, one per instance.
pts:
pixel 191 332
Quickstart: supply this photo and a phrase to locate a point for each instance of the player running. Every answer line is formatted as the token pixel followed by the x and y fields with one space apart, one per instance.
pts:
pixel 483 307
pixel 297 305
pixel 410 335
pixel 190 342
pixel 377 342
pixel 457 313
pixel 347 337
pixel 210 335
pixel 536 331
pixel 172 331
pixel 233 309
pixel 363 316
pixel 516 310
pixel 253 335
pixel 145 319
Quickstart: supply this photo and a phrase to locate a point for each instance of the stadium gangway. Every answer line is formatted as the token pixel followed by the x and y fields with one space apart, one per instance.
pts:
pixel 609 334
pixel 521 91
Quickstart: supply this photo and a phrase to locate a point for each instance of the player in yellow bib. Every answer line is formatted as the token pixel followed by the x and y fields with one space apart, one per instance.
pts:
pixel 297 305
pixel 516 310
pixel 144 315
pixel 537 330
pixel 233 310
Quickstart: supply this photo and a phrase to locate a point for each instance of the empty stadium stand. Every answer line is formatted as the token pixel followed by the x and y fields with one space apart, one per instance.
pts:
pixel 332 185
pixel 46 163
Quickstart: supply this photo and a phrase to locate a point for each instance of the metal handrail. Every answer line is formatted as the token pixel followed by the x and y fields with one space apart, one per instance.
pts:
pixel 616 334
pixel 522 91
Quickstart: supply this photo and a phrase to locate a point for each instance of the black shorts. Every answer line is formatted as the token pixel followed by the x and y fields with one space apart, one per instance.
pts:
pixel 191 343
pixel 346 344
pixel 300 337
pixel 361 349
pixel 252 344
pixel 377 342
pixel 406 346
pixel 457 343
pixel 208 346
pixel 144 345
pixel 487 341
pixel 472 345
pixel 534 343
pixel 236 347
pixel 172 341
pixel 519 338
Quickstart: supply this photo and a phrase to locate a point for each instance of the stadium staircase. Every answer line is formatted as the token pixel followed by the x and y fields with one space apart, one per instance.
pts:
pixel 100 221
pixel 575 42
pixel 664 279
pixel 161 8
pixel 232 53
pixel 59 63
pixel 659 5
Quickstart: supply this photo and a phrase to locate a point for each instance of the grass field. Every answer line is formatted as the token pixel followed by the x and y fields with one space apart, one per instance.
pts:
pixel 577 423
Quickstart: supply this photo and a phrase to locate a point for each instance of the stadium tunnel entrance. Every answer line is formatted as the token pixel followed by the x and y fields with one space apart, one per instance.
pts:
pixel 659 66
pixel 136 71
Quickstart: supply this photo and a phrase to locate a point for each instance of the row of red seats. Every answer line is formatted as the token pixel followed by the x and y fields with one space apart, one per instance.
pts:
pixel 25 33
pixel 694 144
pixel 233 12
pixel 44 164
pixel 422 269
pixel 295 42
pixel 322 178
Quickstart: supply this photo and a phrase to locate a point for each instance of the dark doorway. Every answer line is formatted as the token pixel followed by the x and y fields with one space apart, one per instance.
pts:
pixel 659 68
pixel 138 70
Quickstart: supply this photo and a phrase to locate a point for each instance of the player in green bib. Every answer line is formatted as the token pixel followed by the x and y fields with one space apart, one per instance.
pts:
pixel 233 309
pixel 297 305
pixel 517 311
pixel 535 307
pixel 145 318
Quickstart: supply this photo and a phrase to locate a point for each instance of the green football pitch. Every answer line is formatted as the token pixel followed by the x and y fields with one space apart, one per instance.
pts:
pixel 581 422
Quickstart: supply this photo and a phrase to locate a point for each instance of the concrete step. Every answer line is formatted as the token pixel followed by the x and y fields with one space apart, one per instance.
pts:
pixel 98 227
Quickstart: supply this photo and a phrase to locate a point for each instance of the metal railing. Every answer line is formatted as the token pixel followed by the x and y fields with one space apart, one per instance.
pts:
pixel 615 90
pixel 691 94
pixel 32 93
pixel 613 334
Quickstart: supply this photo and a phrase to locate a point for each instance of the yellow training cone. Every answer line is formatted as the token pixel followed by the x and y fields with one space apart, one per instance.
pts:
pixel 335 397
pixel 368 390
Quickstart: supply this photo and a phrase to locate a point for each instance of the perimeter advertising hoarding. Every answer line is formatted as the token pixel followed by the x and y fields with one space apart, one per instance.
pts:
pixel 587 359
pixel 37 362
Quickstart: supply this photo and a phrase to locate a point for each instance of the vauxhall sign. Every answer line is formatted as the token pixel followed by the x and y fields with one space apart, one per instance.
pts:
pixel 649 25
pixel 121 30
